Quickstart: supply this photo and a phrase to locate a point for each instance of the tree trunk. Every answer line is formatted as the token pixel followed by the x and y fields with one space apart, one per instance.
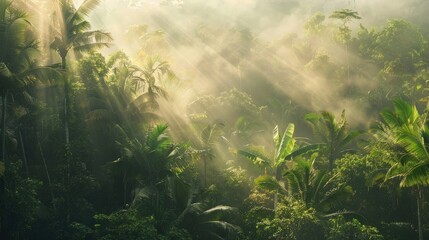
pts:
pixel 3 121
pixel 205 172
pixel 66 130
pixel 278 178
pixel 24 156
pixel 4 223
pixel 21 141
pixel 419 217
pixel 47 173
pixel 66 96
pixel 125 188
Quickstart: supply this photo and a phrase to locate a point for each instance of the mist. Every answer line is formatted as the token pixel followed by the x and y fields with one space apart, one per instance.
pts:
pixel 219 119
pixel 190 52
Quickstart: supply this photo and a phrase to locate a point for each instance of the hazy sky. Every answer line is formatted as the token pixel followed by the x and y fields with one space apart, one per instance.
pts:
pixel 268 20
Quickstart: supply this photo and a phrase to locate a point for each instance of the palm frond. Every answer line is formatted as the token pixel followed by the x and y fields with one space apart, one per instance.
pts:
pixel 257 155
pixel 413 143
pixel 216 213
pixel 308 149
pixel 211 133
pixel 336 197
pixel 416 175
pixel 90 47
pixel 217 228
pixel 157 137
pixel 268 182
pixel 84 9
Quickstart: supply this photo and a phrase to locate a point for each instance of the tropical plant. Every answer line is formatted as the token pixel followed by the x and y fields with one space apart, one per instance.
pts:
pixel 173 203
pixel 333 134
pixel 315 188
pixel 17 62
pixel 124 224
pixel 285 149
pixel 72 32
pixel 406 132
pixel 147 82
pixel 209 223
pixel 339 228
pixel 274 163
pixel 21 203
pixel 291 221
pixel 117 90
pixel 345 15
pixel 205 150
pixel 17 71
pixel 150 159
pixel 197 217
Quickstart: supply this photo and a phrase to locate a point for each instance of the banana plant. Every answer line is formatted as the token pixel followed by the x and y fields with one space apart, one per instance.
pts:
pixel 274 163
pixel 285 149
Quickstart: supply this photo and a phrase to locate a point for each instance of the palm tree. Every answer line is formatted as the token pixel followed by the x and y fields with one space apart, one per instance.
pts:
pixel 16 58
pixel 208 223
pixel 405 132
pixel 315 188
pixel 176 199
pixel 206 149
pixel 202 221
pixel 151 158
pixel 245 129
pixel 73 33
pixel 17 70
pixel 121 95
pixel 147 80
pixel 334 134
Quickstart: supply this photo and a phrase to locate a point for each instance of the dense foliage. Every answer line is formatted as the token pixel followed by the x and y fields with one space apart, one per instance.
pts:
pixel 92 146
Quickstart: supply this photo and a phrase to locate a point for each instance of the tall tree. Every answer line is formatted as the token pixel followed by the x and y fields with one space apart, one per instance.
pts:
pixel 147 82
pixel 17 71
pixel 345 15
pixel 16 57
pixel 73 33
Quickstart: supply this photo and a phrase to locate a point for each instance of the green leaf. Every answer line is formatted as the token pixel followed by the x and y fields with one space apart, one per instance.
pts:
pixel 257 155
pixel 416 175
pixel 269 183
pixel 287 144
pixel 305 150
pixel 276 136
pixel 216 213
